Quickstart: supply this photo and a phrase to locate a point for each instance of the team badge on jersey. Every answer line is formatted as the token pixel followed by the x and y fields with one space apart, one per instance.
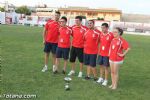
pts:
pixel 67 32
pixel 103 48
pixel 81 30
pixel 107 38
pixel 113 47
pixel 61 40
pixel 93 35
pixel 118 43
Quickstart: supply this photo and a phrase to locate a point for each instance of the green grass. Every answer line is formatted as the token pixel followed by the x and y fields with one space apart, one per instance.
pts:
pixel 22 60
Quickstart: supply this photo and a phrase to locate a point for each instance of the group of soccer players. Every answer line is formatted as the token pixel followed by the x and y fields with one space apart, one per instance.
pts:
pixel 88 44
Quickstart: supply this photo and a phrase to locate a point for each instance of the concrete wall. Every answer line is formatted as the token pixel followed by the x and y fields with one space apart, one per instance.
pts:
pixel 2 17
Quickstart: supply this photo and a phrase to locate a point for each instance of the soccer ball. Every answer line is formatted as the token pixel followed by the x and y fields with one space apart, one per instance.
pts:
pixel 67 87
pixel 67 80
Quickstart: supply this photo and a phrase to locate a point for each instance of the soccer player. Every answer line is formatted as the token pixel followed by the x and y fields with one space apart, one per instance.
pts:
pixel 50 40
pixel 63 43
pixel 77 45
pixel 103 59
pixel 118 49
pixel 91 41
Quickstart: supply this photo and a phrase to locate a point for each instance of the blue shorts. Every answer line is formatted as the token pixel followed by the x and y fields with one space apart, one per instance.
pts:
pixel 103 60
pixel 90 59
pixel 76 52
pixel 62 53
pixel 50 47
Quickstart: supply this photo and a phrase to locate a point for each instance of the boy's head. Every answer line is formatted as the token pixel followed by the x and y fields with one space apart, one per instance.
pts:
pixel 63 21
pixel 117 32
pixel 57 15
pixel 91 24
pixel 78 20
pixel 104 27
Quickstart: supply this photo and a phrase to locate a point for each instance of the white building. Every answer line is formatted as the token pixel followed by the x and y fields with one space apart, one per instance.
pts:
pixel 7 6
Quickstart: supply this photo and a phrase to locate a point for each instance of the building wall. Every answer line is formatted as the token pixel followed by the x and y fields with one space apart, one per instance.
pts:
pixel 2 17
pixel 93 15
pixel 43 14
pixel 107 14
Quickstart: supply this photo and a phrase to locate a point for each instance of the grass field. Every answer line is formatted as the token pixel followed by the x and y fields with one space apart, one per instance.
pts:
pixel 22 60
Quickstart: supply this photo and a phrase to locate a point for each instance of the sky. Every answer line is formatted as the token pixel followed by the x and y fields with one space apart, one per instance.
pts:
pixel 127 6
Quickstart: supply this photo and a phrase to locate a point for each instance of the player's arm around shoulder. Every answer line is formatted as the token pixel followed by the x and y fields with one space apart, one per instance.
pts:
pixel 71 29
pixel 98 32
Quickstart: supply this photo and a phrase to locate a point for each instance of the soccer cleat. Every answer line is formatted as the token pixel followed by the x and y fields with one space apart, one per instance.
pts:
pixel 100 80
pixel 55 72
pixel 80 74
pixel 71 72
pixel 95 78
pixel 105 83
pixel 87 77
pixel 63 72
pixel 44 69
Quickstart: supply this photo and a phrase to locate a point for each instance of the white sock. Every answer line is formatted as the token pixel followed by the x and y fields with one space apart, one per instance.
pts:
pixel 55 67
pixel 46 66
pixel 106 80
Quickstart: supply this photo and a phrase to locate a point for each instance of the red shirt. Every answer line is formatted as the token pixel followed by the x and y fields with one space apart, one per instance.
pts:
pixel 78 34
pixel 117 46
pixel 91 40
pixel 105 40
pixel 52 28
pixel 64 37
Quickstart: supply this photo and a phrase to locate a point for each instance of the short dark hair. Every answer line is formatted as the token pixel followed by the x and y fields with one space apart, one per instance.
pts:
pixel 65 18
pixel 78 17
pixel 57 12
pixel 119 30
pixel 105 24
pixel 92 21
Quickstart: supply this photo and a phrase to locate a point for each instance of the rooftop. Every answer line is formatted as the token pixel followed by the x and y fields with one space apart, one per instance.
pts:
pixel 91 9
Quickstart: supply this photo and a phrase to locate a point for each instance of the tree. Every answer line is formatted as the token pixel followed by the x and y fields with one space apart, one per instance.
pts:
pixel 23 10
pixel 2 9
pixel 100 18
pixel 84 17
